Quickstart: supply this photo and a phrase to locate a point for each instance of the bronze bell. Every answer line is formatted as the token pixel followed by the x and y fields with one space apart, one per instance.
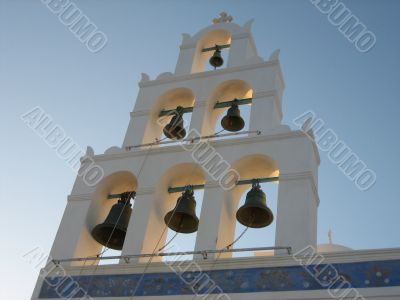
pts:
pixel 216 59
pixel 174 129
pixel 111 233
pixel 183 217
pixel 233 121
pixel 255 213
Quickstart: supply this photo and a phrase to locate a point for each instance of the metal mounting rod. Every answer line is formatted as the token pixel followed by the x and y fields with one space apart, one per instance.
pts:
pixel 243 101
pixel 258 132
pixel 189 109
pixel 170 112
pixel 117 196
pixel 215 48
pixel 203 252
pixel 240 182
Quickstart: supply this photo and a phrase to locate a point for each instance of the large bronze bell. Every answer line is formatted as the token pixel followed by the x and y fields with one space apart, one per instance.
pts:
pixel 255 213
pixel 111 233
pixel 216 59
pixel 174 129
pixel 183 217
pixel 233 121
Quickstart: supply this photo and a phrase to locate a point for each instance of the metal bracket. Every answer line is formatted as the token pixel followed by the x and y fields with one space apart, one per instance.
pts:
pixel 240 182
pixel 171 112
pixel 189 109
pixel 118 196
pixel 243 101
pixel 183 188
pixel 215 48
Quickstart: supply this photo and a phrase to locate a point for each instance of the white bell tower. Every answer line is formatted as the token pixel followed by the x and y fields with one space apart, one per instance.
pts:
pixel 276 151
pixel 268 149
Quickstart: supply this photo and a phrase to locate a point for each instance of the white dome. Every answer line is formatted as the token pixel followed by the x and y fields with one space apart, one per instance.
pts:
pixel 324 248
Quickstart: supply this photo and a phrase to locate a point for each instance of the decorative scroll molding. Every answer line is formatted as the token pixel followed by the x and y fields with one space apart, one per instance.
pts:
pixel 144 77
pixel 275 55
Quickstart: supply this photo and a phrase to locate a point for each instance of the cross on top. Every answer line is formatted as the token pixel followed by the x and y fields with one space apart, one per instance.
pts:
pixel 330 236
pixel 224 18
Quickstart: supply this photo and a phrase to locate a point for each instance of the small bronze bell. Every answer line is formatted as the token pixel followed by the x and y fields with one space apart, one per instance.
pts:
pixel 233 121
pixel 174 129
pixel 255 213
pixel 216 60
pixel 111 233
pixel 183 217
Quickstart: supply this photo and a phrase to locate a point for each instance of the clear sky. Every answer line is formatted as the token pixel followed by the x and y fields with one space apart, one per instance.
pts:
pixel 90 96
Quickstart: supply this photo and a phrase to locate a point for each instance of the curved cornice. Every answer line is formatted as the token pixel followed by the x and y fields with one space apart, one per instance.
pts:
pixel 176 78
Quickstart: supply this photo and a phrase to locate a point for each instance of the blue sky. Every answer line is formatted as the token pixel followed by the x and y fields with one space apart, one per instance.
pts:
pixel 91 95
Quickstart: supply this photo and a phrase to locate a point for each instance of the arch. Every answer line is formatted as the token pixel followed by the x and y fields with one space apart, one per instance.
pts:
pixel 220 33
pixel 114 183
pixel 225 91
pixel 249 167
pixel 209 39
pixel 167 101
pixel 178 175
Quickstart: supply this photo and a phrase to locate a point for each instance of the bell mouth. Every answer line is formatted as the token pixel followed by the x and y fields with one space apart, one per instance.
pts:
pixel 232 123
pixel 216 62
pixel 102 234
pixel 263 216
pixel 182 223
pixel 174 133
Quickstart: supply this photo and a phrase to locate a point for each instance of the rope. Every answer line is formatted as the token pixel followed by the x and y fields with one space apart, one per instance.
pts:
pixel 151 258
pixel 159 240
pixel 228 247
pixel 169 242
pixel 237 239
pixel 165 228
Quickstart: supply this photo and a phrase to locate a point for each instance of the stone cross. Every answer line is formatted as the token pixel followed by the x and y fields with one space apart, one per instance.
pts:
pixel 224 18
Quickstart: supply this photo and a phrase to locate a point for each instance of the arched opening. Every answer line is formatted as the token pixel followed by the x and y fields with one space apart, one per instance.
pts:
pixel 226 91
pixel 168 101
pixel 178 176
pixel 252 167
pixel 114 184
pixel 210 39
